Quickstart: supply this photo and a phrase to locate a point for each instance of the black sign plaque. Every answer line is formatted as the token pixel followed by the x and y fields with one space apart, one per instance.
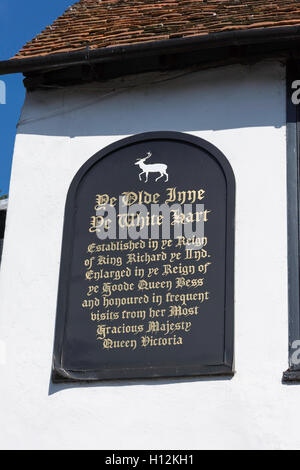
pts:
pixel 147 270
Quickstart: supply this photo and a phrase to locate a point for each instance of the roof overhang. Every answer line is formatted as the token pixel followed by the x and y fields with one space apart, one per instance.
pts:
pixel 207 49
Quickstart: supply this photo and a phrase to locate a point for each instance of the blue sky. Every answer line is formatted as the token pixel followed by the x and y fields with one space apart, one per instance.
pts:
pixel 20 21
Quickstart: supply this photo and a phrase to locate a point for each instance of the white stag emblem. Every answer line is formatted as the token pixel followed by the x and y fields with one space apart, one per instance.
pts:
pixel 153 168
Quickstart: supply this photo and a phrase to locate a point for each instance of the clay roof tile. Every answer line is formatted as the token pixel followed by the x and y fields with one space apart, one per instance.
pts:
pixel 106 23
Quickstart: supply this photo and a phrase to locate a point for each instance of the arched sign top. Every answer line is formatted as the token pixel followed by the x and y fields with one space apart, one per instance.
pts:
pixel 147 269
pixel 208 147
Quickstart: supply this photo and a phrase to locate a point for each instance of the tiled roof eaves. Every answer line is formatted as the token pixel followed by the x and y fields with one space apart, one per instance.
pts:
pixel 287 34
pixel 99 24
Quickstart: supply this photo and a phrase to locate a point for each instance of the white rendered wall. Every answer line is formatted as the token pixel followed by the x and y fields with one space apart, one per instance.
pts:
pixel 239 109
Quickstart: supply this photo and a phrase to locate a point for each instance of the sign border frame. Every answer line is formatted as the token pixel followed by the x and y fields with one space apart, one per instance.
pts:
pixel 226 368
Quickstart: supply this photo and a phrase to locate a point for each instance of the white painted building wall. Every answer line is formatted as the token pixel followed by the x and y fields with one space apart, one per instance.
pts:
pixel 241 110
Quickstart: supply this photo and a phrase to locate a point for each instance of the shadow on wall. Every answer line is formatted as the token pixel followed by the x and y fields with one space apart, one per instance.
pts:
pixel 223 98
pixel 55 388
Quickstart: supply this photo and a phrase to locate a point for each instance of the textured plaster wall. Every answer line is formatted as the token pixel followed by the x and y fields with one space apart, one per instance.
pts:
pixel 239 109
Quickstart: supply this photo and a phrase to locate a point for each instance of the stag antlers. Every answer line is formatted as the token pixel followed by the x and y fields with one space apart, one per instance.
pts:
pixel 149 154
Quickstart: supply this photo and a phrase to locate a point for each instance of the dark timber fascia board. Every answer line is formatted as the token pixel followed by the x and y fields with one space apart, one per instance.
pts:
pixel 293 206
pixel 261 36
